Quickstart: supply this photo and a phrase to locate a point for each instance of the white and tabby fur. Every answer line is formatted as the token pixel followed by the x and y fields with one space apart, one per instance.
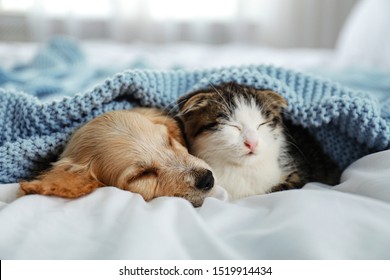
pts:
pixel 231 160
pixel 241 170
pixel 241 133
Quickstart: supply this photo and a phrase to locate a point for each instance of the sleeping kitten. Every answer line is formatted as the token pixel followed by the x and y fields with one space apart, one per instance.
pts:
pixel 239 131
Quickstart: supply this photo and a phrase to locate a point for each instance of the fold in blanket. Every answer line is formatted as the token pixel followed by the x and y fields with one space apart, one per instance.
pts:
pixel 347 123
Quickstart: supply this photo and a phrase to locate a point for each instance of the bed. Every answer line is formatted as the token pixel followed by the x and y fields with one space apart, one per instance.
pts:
pixel 347 221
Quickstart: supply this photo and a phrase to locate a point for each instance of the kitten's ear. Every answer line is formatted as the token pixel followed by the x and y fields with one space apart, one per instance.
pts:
pixel 193 101
pixel 272 100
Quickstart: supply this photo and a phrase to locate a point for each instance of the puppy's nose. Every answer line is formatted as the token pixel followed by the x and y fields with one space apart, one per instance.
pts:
pixel 205 182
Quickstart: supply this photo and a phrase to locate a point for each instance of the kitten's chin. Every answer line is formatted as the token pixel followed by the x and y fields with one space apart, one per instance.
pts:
pixel 249 158
pixel 242 160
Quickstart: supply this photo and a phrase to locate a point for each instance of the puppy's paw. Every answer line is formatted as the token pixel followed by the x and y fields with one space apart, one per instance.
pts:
pixel 33 187
pixel 61 187
pixel 21 192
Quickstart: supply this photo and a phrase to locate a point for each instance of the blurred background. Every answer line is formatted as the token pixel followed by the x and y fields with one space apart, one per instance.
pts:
pixel 274 23
pixel 202 33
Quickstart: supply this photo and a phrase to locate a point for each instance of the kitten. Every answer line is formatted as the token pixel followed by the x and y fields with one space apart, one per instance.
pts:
pixel 240 132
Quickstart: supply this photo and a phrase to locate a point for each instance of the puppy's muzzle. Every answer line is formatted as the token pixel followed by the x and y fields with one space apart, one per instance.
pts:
pixel 205 180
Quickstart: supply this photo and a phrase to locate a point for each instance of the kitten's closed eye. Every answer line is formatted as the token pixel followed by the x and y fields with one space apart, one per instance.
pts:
pixel 206 127
pixel 263 123
pixel 236 126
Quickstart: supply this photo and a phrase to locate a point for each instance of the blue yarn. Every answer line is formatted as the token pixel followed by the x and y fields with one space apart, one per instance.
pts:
pixel 58 68
pixel 347 123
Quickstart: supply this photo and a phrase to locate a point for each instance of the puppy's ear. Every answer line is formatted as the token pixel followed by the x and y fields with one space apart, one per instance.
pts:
pixel 175 131
pixel 63 180
pixel 193 101
pixel 159 116
pixel 173 128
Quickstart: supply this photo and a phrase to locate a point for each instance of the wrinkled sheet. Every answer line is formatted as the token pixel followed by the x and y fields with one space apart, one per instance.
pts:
pixel 348 221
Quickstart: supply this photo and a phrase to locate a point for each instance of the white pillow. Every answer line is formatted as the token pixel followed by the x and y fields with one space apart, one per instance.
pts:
pixel 365 37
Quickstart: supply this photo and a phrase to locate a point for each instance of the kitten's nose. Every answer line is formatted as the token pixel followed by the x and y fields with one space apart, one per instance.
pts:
pixel 251 144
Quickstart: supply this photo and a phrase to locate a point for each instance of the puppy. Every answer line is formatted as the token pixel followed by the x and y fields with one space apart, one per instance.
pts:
pixel 140 150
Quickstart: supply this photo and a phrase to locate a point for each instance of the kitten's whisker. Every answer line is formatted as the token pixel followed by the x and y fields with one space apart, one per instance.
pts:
pixel 220 94
pixel 290 140
pixel 171 105
pixel 171 111
pixel 217 102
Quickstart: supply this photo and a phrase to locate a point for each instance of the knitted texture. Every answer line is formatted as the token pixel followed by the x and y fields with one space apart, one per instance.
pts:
pixel 347 123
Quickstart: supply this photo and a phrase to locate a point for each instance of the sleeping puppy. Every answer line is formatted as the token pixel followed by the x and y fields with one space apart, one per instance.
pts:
pixel 140 150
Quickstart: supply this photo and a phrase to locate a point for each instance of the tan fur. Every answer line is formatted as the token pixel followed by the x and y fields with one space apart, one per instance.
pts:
pixel 140 150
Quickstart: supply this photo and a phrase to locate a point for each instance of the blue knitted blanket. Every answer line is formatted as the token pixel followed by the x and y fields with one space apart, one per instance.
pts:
pixel 348 123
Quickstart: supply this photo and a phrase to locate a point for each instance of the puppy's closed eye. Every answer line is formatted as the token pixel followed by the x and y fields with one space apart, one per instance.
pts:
pixel 142 174
pixel 149 172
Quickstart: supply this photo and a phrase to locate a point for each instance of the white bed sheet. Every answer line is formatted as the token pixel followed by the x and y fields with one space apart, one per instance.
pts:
pixel 349 221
